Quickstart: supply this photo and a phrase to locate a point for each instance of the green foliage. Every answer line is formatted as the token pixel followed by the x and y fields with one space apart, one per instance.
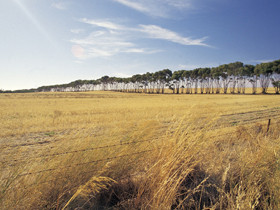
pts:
pixel 263 69
pixel 263 72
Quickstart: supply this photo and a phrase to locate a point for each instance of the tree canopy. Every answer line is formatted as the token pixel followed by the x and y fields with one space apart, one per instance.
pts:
pixel 233 76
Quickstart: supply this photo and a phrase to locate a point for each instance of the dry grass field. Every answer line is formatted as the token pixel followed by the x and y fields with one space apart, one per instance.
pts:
pixel 107 150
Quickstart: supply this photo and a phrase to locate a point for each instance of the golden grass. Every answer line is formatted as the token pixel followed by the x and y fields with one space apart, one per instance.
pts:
pixel 139 151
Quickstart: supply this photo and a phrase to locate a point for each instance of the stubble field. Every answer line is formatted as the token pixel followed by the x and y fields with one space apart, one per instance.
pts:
pixel 107 150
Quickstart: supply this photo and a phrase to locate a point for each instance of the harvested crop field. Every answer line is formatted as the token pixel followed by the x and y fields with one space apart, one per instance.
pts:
pixel 108 150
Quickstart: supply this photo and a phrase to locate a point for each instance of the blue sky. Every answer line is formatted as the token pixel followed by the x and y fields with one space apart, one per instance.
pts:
pixel 45 42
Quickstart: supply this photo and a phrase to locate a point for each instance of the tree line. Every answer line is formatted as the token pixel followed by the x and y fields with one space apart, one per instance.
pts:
pixel 227 78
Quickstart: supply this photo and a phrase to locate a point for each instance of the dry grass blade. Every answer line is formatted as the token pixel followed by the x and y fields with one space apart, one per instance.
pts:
pixel 94 186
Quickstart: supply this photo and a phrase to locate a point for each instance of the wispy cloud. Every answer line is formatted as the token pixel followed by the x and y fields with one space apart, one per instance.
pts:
pixel 160 8
pixel 110 39
pixel 105 44
pixel 103 38
pixel 137 5
pixel 102 23
pixel 142 50
pixel 179 4
pixel 59 5
pixel 157 32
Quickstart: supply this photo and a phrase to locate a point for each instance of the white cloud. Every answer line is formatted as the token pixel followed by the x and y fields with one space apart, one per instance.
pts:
pixel 157 32
pixel 142 50
pixel 179 4
pixel 59 5
pixel 153 31
pixel 102 23
pixel 137 5
pixel 159 8
pixel 110 39
pixel 105 44
pixel 103 39
pixel 94 52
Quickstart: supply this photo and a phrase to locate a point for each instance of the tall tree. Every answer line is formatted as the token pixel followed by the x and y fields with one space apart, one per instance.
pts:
pixel 216 75
pixel 104 82
pixel 188 81
pixel 176 79
pixel 275 78
pixel 264 72
pixel 195 77
pixel 224 76
pixel 233 73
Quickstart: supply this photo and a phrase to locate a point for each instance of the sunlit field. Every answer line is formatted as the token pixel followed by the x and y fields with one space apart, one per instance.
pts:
pixel 108 150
